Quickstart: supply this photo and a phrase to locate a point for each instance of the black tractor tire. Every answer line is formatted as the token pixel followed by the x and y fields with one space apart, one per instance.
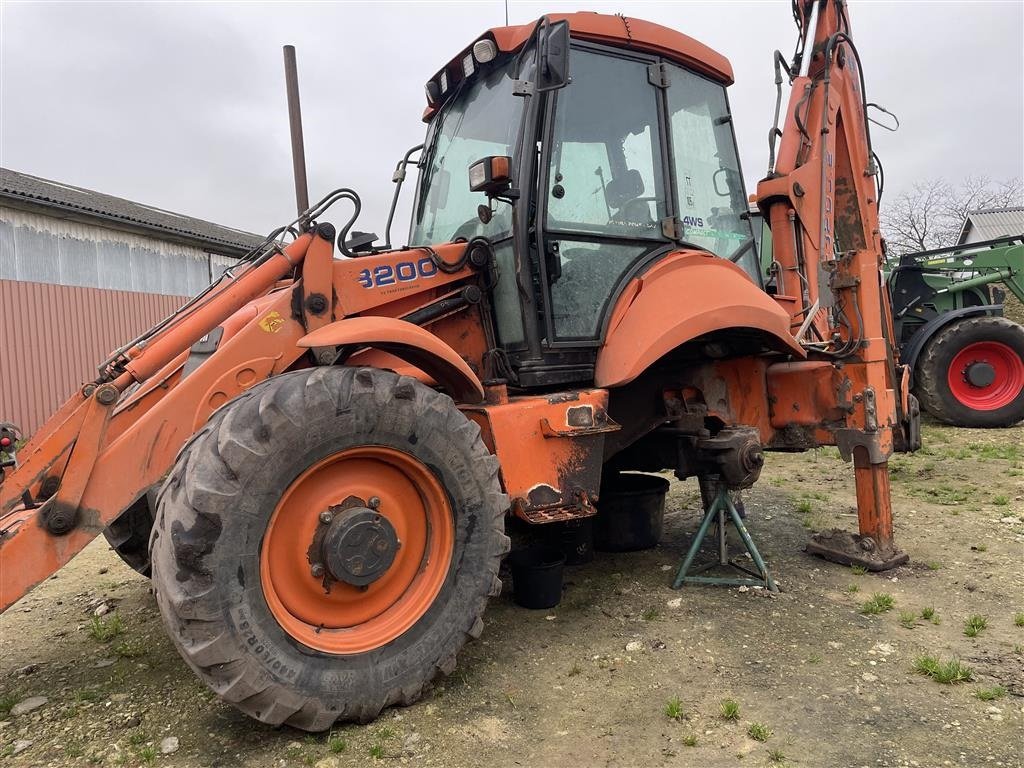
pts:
pixel 128 535
pixel 214 509
pixel 932 371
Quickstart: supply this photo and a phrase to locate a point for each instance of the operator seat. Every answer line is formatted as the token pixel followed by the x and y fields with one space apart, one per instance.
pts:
pixel 625 195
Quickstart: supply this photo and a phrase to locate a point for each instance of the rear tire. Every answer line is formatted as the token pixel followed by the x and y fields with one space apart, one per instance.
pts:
pixel 943 373
pixel 129 534
pixel 216 519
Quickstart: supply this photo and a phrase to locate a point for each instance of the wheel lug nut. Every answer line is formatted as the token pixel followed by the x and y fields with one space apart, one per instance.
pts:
pixel 374 502
pixel 317 570
pixel 326 517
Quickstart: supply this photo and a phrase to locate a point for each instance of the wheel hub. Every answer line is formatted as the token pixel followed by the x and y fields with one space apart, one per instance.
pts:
pixel 359 546
pixel 980 374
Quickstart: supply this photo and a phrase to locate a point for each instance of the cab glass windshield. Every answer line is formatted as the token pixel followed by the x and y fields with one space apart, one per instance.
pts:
pixel 482 119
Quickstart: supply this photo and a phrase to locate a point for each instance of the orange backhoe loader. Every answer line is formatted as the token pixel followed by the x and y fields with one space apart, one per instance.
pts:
pixel 316 457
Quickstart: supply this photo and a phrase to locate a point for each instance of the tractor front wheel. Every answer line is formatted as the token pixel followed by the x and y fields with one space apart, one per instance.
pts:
pixel 326 545
pixel 972 373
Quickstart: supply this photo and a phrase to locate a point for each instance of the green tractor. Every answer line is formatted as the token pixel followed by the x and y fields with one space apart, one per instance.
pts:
pixel 966 359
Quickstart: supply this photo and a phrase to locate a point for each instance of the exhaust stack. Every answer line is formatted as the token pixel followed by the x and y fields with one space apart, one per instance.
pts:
pixel 291 78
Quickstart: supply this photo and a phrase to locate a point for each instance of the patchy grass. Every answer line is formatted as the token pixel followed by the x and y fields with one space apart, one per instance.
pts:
pixel 147 754
pixel 776 757
pixel 650 614
pixel 975 625
pixel 908 619
pixel 1018 619
pixel 674 709
pixel 336 744
pixel 575 670
pixel 858 570
pixel 1001 500
pixel 945 672
pixel 103 629
pixel 729 709
pixel 853 589
pixel 990 694
pixel 804 506
pixel 689 740
pixel 759 732
pixel 880 602
pixel 928 614
pixel 933 565
pixel 377 751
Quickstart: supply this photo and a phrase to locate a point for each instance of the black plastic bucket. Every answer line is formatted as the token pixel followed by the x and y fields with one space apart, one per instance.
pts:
pixel 576 538
pixel 537 576
pixel 630 512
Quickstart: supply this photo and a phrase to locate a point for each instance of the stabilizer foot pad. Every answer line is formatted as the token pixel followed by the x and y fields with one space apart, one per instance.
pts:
pixel 847 548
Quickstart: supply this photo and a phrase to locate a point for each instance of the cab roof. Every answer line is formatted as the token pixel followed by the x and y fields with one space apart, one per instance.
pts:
pixel 628 33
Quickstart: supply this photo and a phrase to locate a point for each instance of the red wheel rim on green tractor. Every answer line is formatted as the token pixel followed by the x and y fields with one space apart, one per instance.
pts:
pixel 986 375
pixel 352 501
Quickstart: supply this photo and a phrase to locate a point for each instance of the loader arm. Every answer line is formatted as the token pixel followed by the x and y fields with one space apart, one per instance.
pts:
pixel 820 199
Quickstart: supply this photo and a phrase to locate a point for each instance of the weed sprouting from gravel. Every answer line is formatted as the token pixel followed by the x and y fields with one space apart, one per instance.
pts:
pixel 575 669
pixel 853 589
pixel 1001 500
pixel 759 732
pixel 377 751
pixel 131 649
pixel 148 754
pixel 880 602
pixel 975 625
pixel 933 565
pixel 990 694
pixel 908 619
pixel 135 738
pixel 689 740
pixel 858 570
pixel 336 744
pixel 1018 619
pixel 729 709
pixel 945 672
pixel 776 757
pixel 103 629
pixel 674 709
pixel 804 506
pixel 928 614
pixel 650 614
pixel 7 702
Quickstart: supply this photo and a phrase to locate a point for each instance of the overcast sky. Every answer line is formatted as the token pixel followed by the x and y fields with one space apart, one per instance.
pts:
pixel 182 105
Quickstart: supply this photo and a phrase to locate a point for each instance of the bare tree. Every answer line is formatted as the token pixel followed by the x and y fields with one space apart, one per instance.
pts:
pixel 932 213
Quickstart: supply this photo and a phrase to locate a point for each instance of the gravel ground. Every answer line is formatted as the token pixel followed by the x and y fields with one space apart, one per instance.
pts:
pixel 625 672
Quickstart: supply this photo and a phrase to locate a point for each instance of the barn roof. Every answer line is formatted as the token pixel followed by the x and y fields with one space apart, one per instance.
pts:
pixel 991 223
pixel 68 201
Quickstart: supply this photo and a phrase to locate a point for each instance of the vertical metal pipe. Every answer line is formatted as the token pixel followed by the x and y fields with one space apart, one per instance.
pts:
pixel 291 78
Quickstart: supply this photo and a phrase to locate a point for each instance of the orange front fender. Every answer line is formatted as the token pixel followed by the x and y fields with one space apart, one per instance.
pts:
pixel 679 299
pixel 409 342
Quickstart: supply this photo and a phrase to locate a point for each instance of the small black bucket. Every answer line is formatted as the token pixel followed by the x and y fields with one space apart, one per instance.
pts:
pixel 537 576
pixel 630 512
pixel 576 538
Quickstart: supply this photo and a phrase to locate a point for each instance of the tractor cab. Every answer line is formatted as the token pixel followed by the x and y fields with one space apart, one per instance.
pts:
pixel 619 153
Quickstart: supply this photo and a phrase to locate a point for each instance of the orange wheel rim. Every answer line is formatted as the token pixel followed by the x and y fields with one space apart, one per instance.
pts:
pixel 326 613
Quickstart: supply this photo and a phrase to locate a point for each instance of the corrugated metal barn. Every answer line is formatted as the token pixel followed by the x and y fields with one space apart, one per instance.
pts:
pixel 81 273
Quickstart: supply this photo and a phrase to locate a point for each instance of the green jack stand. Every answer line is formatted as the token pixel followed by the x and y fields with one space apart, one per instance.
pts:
pixel 721 507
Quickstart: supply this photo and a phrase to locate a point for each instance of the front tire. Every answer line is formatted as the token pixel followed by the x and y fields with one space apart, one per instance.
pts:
pixel 972 373
pixel 240 530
